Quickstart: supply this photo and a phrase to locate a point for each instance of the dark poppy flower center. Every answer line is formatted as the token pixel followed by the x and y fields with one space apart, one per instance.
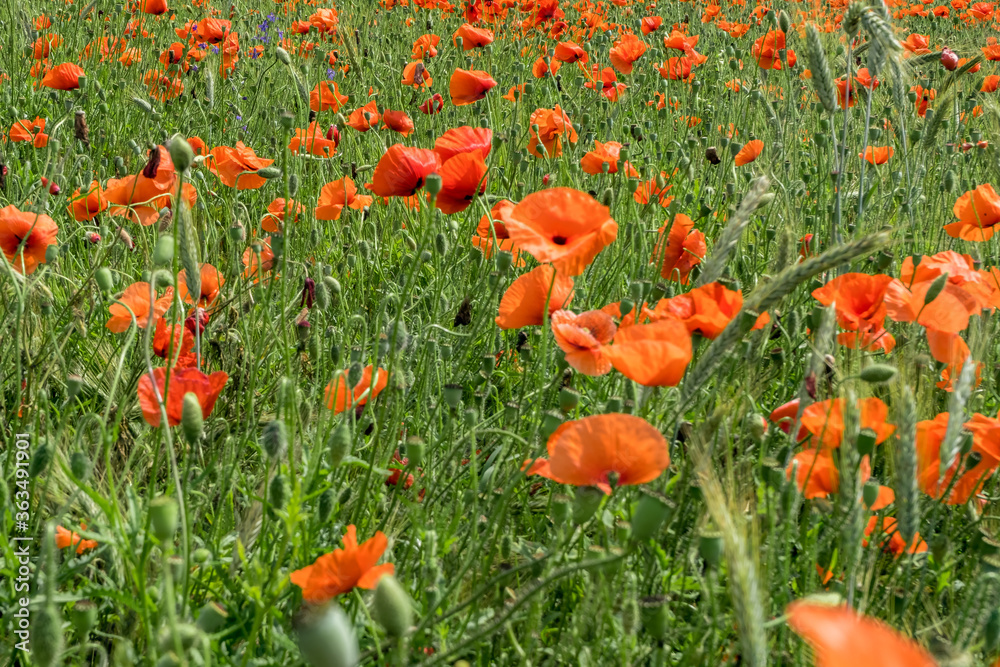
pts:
pixel 559 240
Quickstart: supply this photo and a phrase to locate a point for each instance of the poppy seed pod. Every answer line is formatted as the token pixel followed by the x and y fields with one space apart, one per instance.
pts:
pixel 433 184
pixel 83 616
pixel 391 607
pixel 339 444
pixel 869 494
pixel 326 637
pixel 212 617
pixel 561 509
pixel 866 441
pixel 656 616
pixel 452 393
pixel 569 399
pixel 163 518
pixel 192 420
pixel 710 548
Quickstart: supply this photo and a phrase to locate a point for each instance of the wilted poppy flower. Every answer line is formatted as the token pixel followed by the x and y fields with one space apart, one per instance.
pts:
pixel 210 282
pixel 679 250
pixel 464 139
pixel 605 154
pixel 949 311
pixel 402 171
pixel 343 570
pixel 626 51
pixel 232 164
pixel 397 121
pixel 495 225
pixel 183 381
pixel 978 213
pixel 876 155
pixel 433 104
pixel 274 219
pixel 33 131
pixel 87 206
pixel 312 140
pixel 333 197
pixel 254 263
pixel 364 118
pixel 887 534
pixel 25 237
pixel 583 338
pixel 462 177
pixel 339 397
pixel 472 37
pixel 563 226
pixel 839 637
pixel 585 452
pixel 750 152
pixel 654 355
pixel 469 86
pixel 66 538
pixel 858 297
pixel 523 304
pixel 326 96
pixel 137 298
pixel 64 77
pixel 553 125
pixel 825 421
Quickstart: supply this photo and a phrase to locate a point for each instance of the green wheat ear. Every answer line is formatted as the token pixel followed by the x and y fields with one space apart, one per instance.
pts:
pixel 822 79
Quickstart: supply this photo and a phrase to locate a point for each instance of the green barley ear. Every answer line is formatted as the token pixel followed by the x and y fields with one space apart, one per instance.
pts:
pixel 907 494
pixel 187 238
pixel 820 68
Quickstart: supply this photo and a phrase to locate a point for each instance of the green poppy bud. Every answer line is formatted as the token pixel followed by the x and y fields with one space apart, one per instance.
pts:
pixel 878 374
pixel 326 637
pixel 278 492
pixel 163 518
pixel 391 607
pixel 339 443
pixel 192 420
pixel 274 439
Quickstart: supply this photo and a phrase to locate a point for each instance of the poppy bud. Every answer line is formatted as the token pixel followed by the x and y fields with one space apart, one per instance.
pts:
pixel 283 56
pixel 46 636
pixel 339 444
pixel 949 59
pixel 935 289
pixel 325 506
pixel 40 460
pixel 269 172
pixel 326 637
pixel 784 21
pixel 83 616
pixel 212 617
pixel 163 518
pixel 441 244
pixel 433 184
pixel 192 420
pixel 103 278
pixel 274 439
pixel 650 513
pixel 181 153
pixel 74 383
pixel 415 449
pixel 54 189
pixel 949 181
pixel 878 374
pixel 710 547
pixel 163 251
pixel 756 427
pixel 278 492
pixel 94 238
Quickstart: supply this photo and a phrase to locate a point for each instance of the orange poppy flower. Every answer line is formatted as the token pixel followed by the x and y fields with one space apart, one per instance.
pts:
pixel 584 452
pixel 930 434
pixel 364 118
pixel 324 97
pixel 784 416
pixel 981 285
pixel 858 297
pixel 916 44
pixel 25 237
pixel 66 538
pixel 43 45
pixel 626 51
pixel 425 47
pixel 154 7
pixel 886 533
pixel 605 154
pixel 647 190
pixel 464 139
pixel 397 121
pixel 679 250
pixel 231 165
pixel 876 155
pixel 462 177
pixel 472 37
pixel 948 312
pixel 514 94
pixel 343 570
pixel 553 125
pixel 570 52
pixel 563 226
pixel 845 93
pixel 864 78
pixel 333 197
pixel 211 281
pixel 606 82
pixel 402 171
pixel 33 131
pixel 924 97
pixel 274 219
pixel 990 83
pixel 64 77
pixel 951 350
pixel 650 24
pixel 544 67
pixel 678 41
pixel 210 30
pixel 469 86
pixel 583 337
pixel 824 420
pixel 768 49
pixel 523 304
pixel 140 197
pixel 750 152
pixel 654 355
pixel 339 398
pixel 311 140
pixel 84 207
pixel 136 297
pixel 978 213
pixel 840 637
pixel 171 338
pixel 817 476
pixel 707 309
pixel 254 265
pixel 183 381
pixel 495 224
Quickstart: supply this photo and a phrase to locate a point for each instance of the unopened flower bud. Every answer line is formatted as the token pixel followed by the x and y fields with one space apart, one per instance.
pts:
pixel 391 607
pixel 192 420
pixel 163 518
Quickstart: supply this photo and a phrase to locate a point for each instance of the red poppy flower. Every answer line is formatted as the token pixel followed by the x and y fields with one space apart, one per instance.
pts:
pixel 425 47
pixel 25 238
pixel 137 298
pixel 403 170
pixel 858 297
pixel 333 197
pixel 343 570
pixel 397 121
pixel 232 164
pixel 183 381
pixel 553 125
pixel 978 213
pixel 750 152
pixel 64 77
pixel 464 139
pixel 626 51
pixel 817 476
pixel 84 207
pixel 679 250
pixel 326 96
pixel 583 338
pixel 605 154
pixel 570 52
pixel 586 451
pixel 495 225
pixel 876 155
pixel 66 538
pixel 469 86
pixel 654 355
pixel 33 131
pixel 174 343
pixel 311 140
pixel 948 312
pixel 210 282
pixel 338 397
pixel 824 420
pixel 255 263
pixel 472 37
pixel 523 304
pixel 274 219
pixel 364 118
pixel 462 177
pixel 885 531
